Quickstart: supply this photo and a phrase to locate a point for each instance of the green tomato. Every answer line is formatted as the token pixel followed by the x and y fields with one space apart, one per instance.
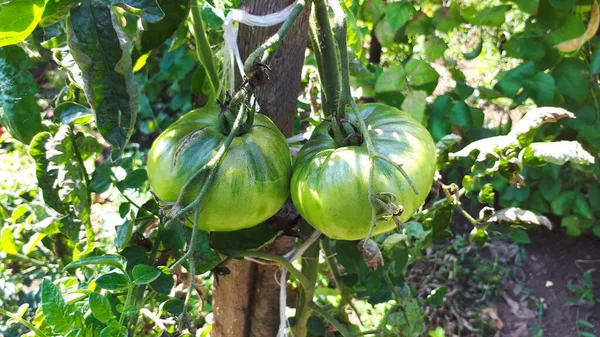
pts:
pixel 252 181
pixel 330 183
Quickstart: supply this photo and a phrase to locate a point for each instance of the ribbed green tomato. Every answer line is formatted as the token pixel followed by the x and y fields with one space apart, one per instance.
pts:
pixel 330 183
pixel 252 181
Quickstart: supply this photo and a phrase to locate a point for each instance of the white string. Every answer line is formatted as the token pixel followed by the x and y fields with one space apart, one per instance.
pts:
pixel 231 52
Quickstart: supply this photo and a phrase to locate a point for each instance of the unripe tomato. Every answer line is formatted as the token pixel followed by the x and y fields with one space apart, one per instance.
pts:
pixel 330 183
pixel 252 181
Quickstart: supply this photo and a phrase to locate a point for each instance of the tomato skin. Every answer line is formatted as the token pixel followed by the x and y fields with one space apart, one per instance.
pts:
pixel 252 181
pixel 330 183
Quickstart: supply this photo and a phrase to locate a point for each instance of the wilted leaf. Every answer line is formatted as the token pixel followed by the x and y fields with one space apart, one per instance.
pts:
pixel 557 153
pixel 521 217
pixel 102 52
pixel 18 112
pixel 592 28
pixel 534 119
pixel 487 146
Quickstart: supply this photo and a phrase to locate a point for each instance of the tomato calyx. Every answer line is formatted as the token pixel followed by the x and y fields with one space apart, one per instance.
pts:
pixel 344 132
pixel 227 117
pixel 386 207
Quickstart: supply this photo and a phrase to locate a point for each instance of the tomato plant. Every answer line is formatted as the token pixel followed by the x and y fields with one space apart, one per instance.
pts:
pixel 330 182
pixel 252 181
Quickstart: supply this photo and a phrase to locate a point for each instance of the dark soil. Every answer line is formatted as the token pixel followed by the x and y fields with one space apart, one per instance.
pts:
pixel 536 296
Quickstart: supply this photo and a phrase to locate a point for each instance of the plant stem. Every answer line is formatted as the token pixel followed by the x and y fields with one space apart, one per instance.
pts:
pixel 335 274
pixel 304 282
pixel 28 259
pixel 24 322
pixel 369 332
pixel 203 49
pixel 192 244
pixel 192 263
pixel 330 78
pixel 340 29
pixel 275 39
pixel 127 301
pixel 310 268
pixel 329 318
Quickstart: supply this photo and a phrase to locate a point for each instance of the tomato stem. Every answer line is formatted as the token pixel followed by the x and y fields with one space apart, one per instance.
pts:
pixel 204 51
pixel 324 45
pixel 274 40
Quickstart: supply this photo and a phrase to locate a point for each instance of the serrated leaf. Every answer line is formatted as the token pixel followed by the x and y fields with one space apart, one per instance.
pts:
pixel 144 274
pixel 563 203
pixel 100 307
pixel 415 104
pixel 112 281
pixel 54 308
pixel 525 129
pixel 391 80
pixel 102 52
pixel 153 35
pixel 558 153
pixel 18 19
pixel 18 112
pixel 592 28
pixel 106 260
pixel 521 217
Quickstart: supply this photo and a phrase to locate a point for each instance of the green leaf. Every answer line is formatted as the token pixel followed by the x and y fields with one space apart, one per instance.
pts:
pixel 391 80
pixel 557 153
pixel 563 5
pixel 106 260
pixel 135 255
pixel 18 18
pixel 134 179
pixel 594 196
pixel 421 24
pixel 572 28
pixel 595 64
pixel 519 236
pixel 421 76
pixel 153 35
pixel 397 14
pixel 100 307
pixel 511 81
pixel 144 274
pixel 434 48
pixel 55 308
pixel 211 16
pixel 446 19
pixel 102 52
pixel 372 11
pixel 415 104
pixel 7 241
pixel 525 46
pixel 460 114
pixel 113 329
pixel 55 11
pixel 528 6
pixel 18 112
pixel 436 296
pixel 124 231
pixel 571 223
pixel 112 281
pixel 71 112
pixel 491 16
pixel 173 306
pixel 486 195
pixel 543 86
pixel 207 258
pixel 475 52
pixel 563 203
pixel 246 239
pixel 148 10
pixel 164 283
pixel 572 80
pixel 582 208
